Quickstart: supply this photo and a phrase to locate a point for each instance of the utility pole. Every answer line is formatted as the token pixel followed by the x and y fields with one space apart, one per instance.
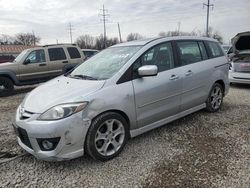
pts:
pixel 70 32
pixel 119 30
pixel 208 5
pixel 34 38
pixel 178 28
pixel 104 16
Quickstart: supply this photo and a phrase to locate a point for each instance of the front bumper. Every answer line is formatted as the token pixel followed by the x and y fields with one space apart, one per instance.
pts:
pixel 71 131
pixel 239 77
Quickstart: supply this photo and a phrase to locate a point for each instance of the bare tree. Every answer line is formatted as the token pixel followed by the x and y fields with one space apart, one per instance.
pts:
pixel 6 39
pixel 27 39
pixel 214 34
pixel 177 33
pixel 85 41
pixel 134 36
pixel 109 42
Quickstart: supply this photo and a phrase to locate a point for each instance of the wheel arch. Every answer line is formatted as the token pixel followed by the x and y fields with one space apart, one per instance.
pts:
pixel 120 112
pixel 11 75
pixel 221 82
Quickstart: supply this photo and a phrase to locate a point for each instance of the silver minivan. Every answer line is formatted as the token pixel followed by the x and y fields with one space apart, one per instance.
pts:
pixel 121 92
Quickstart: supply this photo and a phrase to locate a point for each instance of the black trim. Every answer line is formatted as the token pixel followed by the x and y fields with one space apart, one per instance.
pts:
pixel 222 65
pixel 22 134
pixel 127 76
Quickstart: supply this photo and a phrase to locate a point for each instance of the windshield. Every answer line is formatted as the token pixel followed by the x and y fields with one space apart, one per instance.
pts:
pixel 105 64
pixel 20 56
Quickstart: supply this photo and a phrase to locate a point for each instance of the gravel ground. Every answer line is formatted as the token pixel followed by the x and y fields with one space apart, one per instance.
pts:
pixel 200 150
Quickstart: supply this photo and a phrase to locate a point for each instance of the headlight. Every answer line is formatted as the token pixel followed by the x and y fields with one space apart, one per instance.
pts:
pixel 62 111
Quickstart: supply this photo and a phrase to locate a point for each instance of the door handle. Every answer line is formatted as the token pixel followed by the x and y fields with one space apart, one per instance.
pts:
pixel 173 77
pixel 65 62
pixel 41 65
pixel 189 73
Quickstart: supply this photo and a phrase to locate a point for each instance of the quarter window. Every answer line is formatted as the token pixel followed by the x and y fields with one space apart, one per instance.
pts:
pixel 203 50
pixel 36 56
pixel 160 55
pixel 73 53
pixel 56 54
pixel 215 49
pixel 189 52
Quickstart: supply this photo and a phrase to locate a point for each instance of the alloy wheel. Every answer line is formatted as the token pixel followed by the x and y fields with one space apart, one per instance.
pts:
pixel 109 137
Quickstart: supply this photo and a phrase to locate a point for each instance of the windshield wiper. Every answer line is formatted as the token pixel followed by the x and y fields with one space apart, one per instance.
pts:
pixel 85 77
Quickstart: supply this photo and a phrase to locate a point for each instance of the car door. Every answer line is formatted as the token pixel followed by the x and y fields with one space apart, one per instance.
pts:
pixel 195 73
pixel 157 97
pixel 34 67
pixel 57 60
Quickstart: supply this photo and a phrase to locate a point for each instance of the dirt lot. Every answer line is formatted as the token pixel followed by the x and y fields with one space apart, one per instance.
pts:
pixel 200 150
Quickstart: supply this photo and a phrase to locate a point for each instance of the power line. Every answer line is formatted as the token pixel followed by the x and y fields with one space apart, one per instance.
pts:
pixel 104 16
pixel 208 5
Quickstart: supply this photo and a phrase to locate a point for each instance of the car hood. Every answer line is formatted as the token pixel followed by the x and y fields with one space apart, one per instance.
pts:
pixel 7 65
pixel 241 42
pixel 58 91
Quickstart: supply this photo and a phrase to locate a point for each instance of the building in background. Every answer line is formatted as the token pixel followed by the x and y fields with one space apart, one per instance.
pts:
pixel 9 52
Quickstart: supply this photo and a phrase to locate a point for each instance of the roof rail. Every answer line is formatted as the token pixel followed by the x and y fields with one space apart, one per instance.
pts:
pixel 47 45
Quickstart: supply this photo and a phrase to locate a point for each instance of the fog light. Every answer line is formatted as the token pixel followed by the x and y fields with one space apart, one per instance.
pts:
pixel 47 144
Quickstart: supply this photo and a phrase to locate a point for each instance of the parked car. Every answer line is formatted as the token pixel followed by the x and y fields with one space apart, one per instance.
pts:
pixel 37 65
pixel 240 64
pixel 89 52
pixel 6 58
pixel 226 47
pixel 122 92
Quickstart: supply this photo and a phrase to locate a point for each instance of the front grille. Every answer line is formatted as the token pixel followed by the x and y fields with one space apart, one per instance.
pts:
pixel 24 137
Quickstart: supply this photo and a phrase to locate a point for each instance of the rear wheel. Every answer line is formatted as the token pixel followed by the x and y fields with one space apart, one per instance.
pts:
pixel 6 86
pixel 107 136
pixel 215 98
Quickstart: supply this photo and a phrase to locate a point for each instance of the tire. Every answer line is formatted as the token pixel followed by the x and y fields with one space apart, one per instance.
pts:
pixel 106 136
pixel 215 98
pixel 6 86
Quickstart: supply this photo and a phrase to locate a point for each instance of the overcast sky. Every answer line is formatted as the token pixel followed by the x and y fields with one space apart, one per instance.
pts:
pixel 49 18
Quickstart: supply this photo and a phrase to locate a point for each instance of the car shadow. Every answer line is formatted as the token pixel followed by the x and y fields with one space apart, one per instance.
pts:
pixel 240 86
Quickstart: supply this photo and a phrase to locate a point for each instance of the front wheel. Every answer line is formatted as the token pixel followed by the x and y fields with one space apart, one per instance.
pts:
pixel 6 86
pixel 215 98
pixel 107 136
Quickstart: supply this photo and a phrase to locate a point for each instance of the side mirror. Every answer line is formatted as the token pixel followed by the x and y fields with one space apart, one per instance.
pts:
pixel 27 61
pixel 148 70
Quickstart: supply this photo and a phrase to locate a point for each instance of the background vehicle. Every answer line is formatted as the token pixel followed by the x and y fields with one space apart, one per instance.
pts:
pixel 37 65
pixel 240 64
pixel 6 58
pixel 89 52
pixel 122 92
pixel 226 47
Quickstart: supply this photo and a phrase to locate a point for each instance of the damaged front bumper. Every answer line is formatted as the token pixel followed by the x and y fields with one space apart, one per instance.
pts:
pixel 65 137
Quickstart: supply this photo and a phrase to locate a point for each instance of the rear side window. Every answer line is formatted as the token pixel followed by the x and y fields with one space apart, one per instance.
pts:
pixel 215 49
pixel 56 54
pixel 73 53
pixel 189 52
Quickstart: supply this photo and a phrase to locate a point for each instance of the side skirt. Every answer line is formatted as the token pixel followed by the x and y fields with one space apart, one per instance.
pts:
pixel 164 121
